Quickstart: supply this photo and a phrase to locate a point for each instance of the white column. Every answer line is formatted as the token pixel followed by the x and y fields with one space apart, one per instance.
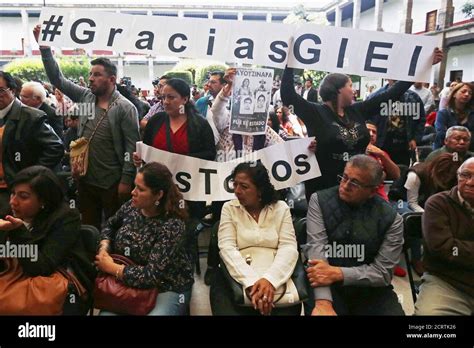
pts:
pixel 120 67
pixel 149 13
pixel 240 16
pixel 445 14
pixel 269 17
pixel 378 14
pixel 338 22
pixel 356 14
pixel 210 15
pixel 26 33
pixel 180 14
pixel 150 70
pixel 406 23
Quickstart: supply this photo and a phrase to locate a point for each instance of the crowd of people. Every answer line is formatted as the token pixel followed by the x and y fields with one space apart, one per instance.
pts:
pixel 142 215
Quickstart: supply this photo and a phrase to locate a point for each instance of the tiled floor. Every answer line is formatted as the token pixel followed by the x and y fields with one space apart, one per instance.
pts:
pixel 200 297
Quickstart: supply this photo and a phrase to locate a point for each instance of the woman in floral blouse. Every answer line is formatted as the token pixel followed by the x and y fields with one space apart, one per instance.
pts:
pixel 150 230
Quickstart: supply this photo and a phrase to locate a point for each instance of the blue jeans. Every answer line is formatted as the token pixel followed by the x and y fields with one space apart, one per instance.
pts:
pixel 167 303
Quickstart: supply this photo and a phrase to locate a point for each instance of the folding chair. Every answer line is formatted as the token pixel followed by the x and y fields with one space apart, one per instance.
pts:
pixel 412 230
pixel 91 238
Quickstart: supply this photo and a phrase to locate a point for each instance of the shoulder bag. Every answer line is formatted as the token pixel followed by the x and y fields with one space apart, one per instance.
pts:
pixel 112 295
pixel 294 291
pixel 79 154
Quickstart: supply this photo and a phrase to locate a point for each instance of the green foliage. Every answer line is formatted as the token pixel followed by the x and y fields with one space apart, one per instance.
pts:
pixel 317 76
pixel 468 9
pixel 184 75
pixel 190 65
pixel 29 69
pixel 202 73
pixel 198 69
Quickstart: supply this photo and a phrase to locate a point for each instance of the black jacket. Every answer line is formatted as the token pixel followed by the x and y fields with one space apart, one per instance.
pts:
pixel 200 136
pixel 28 141
pixel 55 121
pixel 60 244
pixel 312 94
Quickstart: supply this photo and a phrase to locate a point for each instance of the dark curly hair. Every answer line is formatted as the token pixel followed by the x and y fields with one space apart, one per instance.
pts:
pixel 158 177
pixel 259 176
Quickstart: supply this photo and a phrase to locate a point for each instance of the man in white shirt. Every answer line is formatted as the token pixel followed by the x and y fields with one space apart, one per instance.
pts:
pixel 425 95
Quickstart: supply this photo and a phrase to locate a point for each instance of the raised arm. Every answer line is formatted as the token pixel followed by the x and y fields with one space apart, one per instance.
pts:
pixel 55 76
pixel 370 106
pixel 300 106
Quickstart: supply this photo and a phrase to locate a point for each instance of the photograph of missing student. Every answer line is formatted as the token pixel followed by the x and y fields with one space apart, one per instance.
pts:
pixel 250 101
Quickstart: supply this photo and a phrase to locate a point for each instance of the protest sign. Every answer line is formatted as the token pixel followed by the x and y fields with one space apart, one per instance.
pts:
pixel 309 46
pixel 250 101
pixel 288 164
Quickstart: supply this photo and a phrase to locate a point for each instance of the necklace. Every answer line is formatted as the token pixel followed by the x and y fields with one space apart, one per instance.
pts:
pixel 254 215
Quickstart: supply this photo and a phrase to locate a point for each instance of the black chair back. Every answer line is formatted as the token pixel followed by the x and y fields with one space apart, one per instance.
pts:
pixel 91 238
pixel 412 230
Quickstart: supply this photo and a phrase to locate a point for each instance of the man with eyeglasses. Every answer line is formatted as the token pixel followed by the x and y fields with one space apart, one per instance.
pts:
pixel 448 238
pixel 457 140
pixel 354 241
pixel 26 139
pixel 214 84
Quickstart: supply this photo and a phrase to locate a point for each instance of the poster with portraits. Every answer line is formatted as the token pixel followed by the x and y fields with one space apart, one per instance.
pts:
pixel 250 101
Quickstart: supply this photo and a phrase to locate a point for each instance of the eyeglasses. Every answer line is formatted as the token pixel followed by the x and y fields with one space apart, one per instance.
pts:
pixel 3 90
pixel 466 176
pixel 353 183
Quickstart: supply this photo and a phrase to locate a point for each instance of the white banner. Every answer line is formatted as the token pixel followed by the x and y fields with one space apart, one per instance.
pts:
pixel 324 48
pixel 288 164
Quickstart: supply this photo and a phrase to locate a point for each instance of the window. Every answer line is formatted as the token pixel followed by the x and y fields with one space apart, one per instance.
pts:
pixel 431 21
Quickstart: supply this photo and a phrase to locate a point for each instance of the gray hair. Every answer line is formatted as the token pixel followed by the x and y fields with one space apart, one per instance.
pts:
pixel 465 164
pixel 37 88
pixel 369 164
pixel 453 129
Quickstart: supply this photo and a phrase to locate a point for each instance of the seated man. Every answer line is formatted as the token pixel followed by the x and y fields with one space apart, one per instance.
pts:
pixel 354 242
pixel 457 140
pixel 448 237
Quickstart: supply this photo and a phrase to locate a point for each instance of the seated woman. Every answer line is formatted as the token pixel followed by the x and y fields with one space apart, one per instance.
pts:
pixel 255 219
pixel 289 122
pixel 423 181
pixel 150 230
pixel 43 219
pixel 427 178
pixel 458 112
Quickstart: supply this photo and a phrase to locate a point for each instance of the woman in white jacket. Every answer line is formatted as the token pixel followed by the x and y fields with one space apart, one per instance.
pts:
pixel 255 219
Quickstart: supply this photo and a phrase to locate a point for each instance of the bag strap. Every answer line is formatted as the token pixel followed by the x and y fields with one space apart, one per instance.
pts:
pixel 71 277
pixel 102 118
pixel 122 260
pixel 168 134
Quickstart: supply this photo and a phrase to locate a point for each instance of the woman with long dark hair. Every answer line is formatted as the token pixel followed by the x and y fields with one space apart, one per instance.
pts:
pixel 338 124
pixel 150 230
pixel 180 129
pixel 41 218
pixel 458 112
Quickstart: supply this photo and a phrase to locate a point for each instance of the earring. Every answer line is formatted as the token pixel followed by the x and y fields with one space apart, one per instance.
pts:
pixel 42 207
pixel 157 203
